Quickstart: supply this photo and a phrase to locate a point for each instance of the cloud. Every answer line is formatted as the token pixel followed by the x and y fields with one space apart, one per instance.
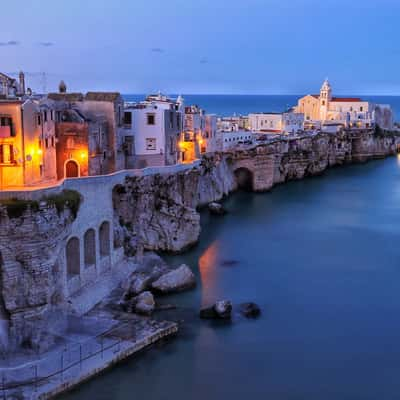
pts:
pixel 10 43
pixel 157 50
pixel 46 44
pixel 204 60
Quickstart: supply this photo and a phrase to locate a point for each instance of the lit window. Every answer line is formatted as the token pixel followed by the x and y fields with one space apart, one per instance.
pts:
pixel 6 154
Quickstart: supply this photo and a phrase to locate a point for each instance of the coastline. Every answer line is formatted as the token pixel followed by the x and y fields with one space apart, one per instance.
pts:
pixel 156 201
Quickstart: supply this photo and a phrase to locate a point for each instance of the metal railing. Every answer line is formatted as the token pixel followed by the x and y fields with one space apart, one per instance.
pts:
pixel 62 366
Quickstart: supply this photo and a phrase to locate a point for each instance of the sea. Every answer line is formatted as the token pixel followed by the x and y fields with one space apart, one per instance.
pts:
pixel 319 256
pixel 227 105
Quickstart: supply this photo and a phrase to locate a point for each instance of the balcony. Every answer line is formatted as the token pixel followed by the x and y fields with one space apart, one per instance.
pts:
pixel 5 131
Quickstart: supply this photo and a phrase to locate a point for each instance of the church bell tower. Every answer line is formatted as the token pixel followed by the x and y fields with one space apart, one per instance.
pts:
pixel 325 96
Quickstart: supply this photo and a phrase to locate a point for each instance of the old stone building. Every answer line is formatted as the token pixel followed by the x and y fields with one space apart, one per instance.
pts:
pixel 10 87
pixel 88 131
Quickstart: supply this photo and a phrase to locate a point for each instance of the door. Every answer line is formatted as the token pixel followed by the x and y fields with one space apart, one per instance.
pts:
pixel 71 169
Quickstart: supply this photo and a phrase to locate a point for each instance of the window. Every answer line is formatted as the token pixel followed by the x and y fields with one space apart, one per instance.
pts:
pixel 5 121
pixel 127 118
pixel 51 115
pixel 39 120
pixel 323 102
pixel 171 120
pixel 45 116
pixel 178 121
pixel 171 145
pixel 46 141
pixel 150 143
pixel 151 119
pixel 6 154
pixel 361 109
pixel 52 141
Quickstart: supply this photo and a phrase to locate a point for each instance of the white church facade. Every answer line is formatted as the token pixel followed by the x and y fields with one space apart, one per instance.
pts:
pixel 349 111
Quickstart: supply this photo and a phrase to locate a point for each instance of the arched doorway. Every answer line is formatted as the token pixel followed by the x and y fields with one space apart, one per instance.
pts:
pixel 244 179
pixel 90 247
pixel 104 236
pixel 71 169
pixel 73 257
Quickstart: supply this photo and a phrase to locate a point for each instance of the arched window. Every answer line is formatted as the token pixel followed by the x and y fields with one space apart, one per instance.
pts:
pixel 104 235
pixel 73 257
pixel 90 247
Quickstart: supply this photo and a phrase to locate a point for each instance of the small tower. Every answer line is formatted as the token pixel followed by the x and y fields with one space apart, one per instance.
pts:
pixel 325 96
pixel 21 83
pixel 62 87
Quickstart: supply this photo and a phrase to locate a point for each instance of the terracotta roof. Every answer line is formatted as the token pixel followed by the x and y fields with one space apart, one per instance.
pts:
pixel 102 96
pixel 65 96
pixel 346 99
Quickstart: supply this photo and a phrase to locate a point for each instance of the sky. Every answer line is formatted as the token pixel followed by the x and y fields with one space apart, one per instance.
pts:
pixel 204 46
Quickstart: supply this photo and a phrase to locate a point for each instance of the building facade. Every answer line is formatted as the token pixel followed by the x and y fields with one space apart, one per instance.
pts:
pixel 152 131
pixel 349 111
pixel 276 123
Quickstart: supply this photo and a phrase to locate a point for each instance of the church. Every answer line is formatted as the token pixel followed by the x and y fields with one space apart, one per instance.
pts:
pixel 349 111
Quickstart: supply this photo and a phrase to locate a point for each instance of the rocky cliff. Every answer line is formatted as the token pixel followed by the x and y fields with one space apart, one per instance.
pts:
pixel 157 211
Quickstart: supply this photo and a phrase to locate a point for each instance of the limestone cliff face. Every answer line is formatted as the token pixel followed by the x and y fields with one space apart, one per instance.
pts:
pixel 158 212
pixel 31 248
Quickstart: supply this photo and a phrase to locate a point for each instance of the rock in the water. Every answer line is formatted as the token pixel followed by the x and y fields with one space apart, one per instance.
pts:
pixel 250 310
pixel 176 280
pixel 144 303
pixel 223 308
pixel 220 310
pixel 138 283
pixel 216 208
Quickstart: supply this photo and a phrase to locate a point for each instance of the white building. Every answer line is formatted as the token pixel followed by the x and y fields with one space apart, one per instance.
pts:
pixel 349 111
pixel 276 123
pixel 152 131
pixel 229 140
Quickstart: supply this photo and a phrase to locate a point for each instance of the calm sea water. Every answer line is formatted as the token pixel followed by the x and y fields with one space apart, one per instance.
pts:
pixel 230 104
pixel 321 258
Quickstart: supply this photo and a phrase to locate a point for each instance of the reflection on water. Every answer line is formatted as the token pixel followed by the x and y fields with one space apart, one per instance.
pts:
pixel 208 272
pixel 320 257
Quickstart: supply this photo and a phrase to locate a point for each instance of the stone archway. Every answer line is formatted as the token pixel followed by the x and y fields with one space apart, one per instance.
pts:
pixel 104 236
pixel 244 179
pixel 73 257
pixel 89 245
pixel 71 169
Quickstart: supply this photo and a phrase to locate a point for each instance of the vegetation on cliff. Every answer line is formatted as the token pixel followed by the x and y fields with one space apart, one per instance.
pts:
pixel 70 199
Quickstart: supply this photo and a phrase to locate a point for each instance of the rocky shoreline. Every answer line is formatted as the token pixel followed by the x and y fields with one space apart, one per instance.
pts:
pixel 151 212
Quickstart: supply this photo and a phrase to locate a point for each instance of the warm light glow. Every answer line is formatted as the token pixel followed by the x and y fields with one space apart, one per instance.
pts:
pixel 83 155
pixel 181 145
pixel 200 141
pixel 40 152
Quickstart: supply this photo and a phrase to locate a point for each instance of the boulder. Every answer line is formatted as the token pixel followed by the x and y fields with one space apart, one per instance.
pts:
pixel 137 283
pixel 176 280
pixel 250 310
pixel 223 309
pixel 220 310
pixel 216 208
pixel 144 303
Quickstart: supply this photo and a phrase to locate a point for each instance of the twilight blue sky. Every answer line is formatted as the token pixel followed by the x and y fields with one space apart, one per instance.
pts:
pixel 205 46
